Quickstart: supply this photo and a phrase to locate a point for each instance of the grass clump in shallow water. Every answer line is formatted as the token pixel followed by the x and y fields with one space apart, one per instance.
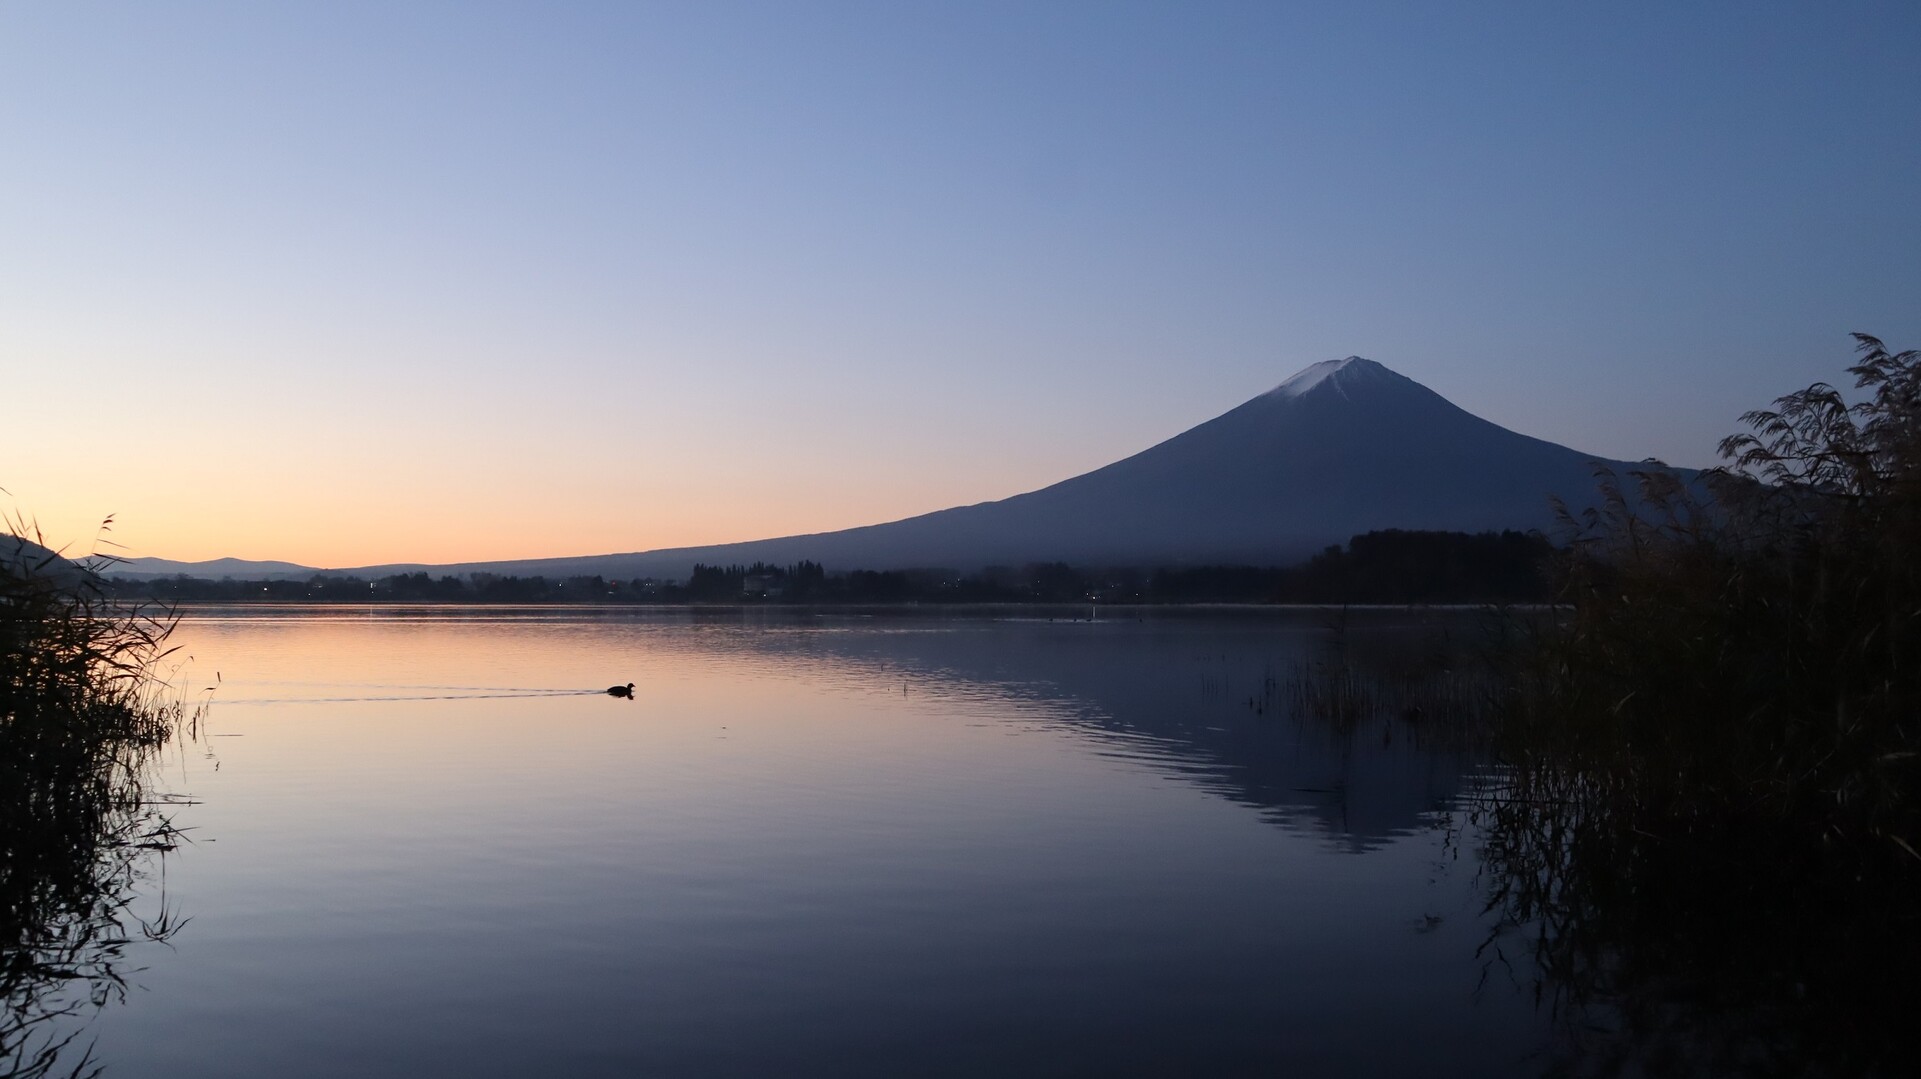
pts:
pixel 1758 653
pixel 1708 820
pixel 82 716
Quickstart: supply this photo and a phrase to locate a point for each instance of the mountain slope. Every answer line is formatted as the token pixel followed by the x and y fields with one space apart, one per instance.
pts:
pixel 23 560
pixel 1341 448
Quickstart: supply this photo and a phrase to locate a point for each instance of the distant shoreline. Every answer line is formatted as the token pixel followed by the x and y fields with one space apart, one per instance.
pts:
pixel 1391 568
pixel 1049 610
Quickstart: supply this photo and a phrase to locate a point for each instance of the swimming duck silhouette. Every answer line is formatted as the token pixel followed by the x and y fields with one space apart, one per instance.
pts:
pixel 626 691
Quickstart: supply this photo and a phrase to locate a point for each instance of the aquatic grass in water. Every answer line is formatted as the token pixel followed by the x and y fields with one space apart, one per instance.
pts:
pixel 1445 686
pixel 1763 648
pixel 1702 827
pixel 1705 829
pixel 81 718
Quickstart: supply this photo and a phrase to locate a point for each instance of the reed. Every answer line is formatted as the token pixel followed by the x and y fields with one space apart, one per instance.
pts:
pixel 1756 650
pixel 1705 821
pixel 82 716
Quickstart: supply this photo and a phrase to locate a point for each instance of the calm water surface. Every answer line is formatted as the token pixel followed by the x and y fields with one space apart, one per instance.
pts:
pixel 811 845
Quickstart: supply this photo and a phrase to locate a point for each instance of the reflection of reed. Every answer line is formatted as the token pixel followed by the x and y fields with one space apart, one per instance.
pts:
pixel 1441 692
pixel 1666 926
pixel 1709 944
pixel 80 721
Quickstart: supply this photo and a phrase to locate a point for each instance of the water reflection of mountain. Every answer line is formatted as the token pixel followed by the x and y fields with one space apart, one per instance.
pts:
pixel 1184 695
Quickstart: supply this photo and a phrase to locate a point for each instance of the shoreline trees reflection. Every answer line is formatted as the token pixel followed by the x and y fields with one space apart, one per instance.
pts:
pixel 82 718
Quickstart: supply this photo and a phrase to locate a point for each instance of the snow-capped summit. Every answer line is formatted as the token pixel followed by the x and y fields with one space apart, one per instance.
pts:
pixel 1313 375
pixel 1342 376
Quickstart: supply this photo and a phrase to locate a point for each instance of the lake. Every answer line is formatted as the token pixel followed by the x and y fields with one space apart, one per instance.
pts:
pixel 425 841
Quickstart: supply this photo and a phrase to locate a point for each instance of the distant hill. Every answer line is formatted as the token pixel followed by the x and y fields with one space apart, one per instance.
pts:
pixel 240 569
pixel 22 559
pixel 1344 447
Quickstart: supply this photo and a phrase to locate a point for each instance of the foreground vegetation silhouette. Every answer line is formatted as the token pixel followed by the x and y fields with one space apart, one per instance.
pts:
pixel 81 720
pixel 1704 831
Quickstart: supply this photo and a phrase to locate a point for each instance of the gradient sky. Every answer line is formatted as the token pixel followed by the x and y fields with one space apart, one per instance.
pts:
pixel 350 283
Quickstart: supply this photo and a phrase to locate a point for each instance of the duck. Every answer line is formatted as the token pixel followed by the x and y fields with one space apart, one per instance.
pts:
pixel 626 691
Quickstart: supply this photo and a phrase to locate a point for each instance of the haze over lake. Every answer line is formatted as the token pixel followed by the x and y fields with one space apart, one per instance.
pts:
pixel 428 842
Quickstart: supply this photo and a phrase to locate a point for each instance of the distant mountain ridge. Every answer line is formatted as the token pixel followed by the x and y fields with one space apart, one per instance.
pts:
pixel 240 569
pixel 22 559
pixel 1342 447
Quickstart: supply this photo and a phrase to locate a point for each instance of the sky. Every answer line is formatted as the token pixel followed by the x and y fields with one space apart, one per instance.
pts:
pixel 351 283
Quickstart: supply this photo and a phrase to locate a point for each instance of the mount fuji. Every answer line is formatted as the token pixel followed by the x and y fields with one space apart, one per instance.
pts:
pixel 1341 448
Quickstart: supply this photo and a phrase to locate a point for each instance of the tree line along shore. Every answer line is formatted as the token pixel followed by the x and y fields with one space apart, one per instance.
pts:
pixel 1393 566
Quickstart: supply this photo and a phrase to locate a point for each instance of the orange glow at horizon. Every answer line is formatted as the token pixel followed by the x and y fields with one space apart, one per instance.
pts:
pixel 380 529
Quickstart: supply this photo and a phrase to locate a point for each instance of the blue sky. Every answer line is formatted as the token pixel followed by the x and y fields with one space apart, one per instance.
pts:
pixel 348 283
